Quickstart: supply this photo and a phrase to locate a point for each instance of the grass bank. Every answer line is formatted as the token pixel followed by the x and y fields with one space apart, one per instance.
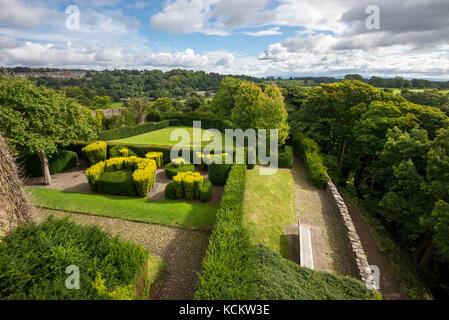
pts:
pixel 269 206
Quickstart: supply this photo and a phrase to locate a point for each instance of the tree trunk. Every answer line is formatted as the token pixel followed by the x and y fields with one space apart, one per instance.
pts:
pixel 45 169
pixel 426 256
pixel 342 156
pixel 15 208
pixel 423 244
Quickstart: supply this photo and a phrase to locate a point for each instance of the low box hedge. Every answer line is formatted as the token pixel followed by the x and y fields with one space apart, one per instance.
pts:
pixel 218 172
pixel 206 191
pixel 170 192
pixel 121 151
pixel 156 156
pixel 188 185
pixel 125 132
pixel 34 259
pixel 117 182
pixel 143 172
pixel 171 170
pixel 59 162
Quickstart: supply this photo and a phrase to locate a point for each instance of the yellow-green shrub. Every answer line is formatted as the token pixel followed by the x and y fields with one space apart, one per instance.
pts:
pixel 188 185
pixel 144 172
pixel 124 152
pixel 95 152
pixel 156 156
pixel 93 174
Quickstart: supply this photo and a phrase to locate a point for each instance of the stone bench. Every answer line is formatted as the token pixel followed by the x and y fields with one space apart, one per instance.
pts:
pixel 305 247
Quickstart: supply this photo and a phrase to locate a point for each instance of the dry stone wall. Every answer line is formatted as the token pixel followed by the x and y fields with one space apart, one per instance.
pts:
pixel 359 259
pixel 107 113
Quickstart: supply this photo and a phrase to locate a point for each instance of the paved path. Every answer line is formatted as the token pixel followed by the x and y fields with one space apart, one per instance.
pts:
pixel 182 250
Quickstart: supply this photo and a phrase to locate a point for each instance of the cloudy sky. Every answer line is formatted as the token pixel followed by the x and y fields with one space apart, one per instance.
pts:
pixel 254 37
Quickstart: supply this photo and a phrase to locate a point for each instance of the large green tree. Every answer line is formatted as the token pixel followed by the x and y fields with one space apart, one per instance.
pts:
pixel 139 109
pixel 257 109
pixel 40 120
pixel 223 100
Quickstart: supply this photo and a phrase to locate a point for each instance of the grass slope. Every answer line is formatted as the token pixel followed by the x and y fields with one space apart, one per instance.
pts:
pixel 189 215
pixel 283 279
pixel 269 206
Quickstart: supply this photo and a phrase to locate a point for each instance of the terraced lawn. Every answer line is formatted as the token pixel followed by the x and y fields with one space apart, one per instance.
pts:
pixel 190 215
pixel 162 137
pixel 269 206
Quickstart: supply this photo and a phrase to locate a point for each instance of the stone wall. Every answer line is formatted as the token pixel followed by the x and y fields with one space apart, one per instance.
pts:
pixel 107 113
pixel 359 259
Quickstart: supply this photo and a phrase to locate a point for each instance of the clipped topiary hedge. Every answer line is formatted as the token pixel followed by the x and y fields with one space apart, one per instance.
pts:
pixel 144 172
pixel 117 182
pixel 188 185
pixel 206 191
pixel 125 132
pixel 171 170
pixel 121 151
pixel 156 156
pixel 59 162
pixel 308 151
pixel 285 159
pixel 218 172
pixel 34 259
pixel 170 192
pixel 95 152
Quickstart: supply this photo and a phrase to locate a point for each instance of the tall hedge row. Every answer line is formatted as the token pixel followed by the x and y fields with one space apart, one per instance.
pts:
pixel 125 132
pixel 229 266
pixel 308 151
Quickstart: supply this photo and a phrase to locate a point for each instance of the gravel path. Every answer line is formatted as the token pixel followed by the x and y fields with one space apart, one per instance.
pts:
pixel 182 250
pixel 315 211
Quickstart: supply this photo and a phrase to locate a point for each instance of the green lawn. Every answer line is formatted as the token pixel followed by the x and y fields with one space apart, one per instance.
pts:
pixel 117 104
pixel 269 206
pixel 191 215
pixel 162 137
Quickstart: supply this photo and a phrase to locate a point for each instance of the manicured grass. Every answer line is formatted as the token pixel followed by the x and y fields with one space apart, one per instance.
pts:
pixel 269 206
pixel 117 104
pixel 191 215
pixel 161 137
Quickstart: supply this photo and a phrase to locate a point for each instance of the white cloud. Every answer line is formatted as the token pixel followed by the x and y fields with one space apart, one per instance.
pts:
pixel 267 32
pixel 15 13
